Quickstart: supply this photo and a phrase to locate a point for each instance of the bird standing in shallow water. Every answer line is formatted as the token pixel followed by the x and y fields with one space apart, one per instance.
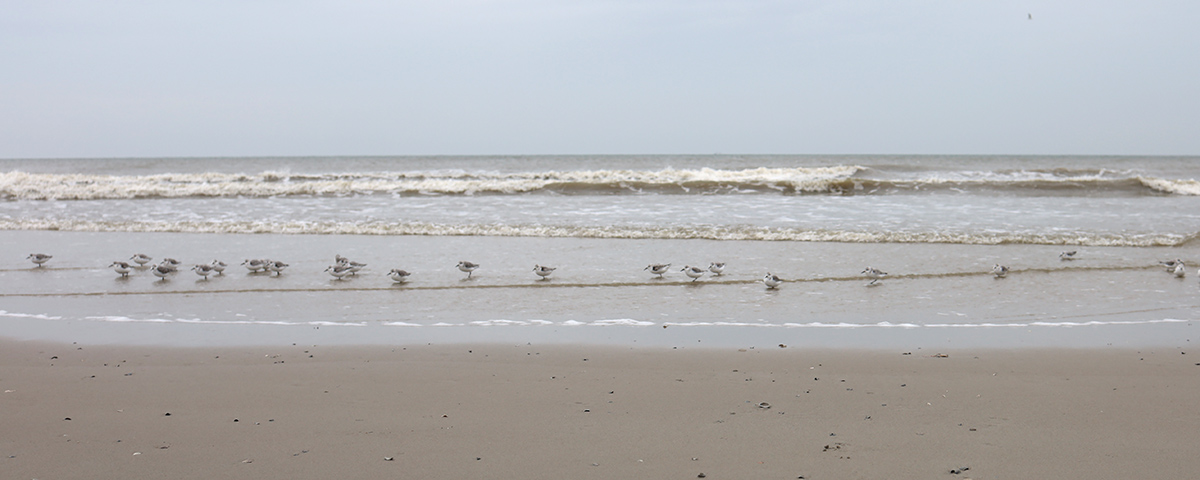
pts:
pixel 468 267
pixel 277 267
pixel 658 268
pixel 39 258
pixel 218 266
pixel 772 281
pixel 874 274
pixel 1000 271
pixel 694 272
pixel 543 271
pixel 716 268
pixel 1180 270
pixel 397 275
pixel 141 259
pixel 1067 255
pixel 203 270
pixel 122 268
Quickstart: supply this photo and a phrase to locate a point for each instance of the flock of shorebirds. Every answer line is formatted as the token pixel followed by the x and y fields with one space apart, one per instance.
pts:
pixel 343 267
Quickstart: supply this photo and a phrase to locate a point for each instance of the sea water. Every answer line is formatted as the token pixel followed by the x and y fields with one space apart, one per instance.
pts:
pixel 937 225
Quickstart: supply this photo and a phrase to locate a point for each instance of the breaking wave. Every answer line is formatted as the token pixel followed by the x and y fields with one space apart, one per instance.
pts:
pixel 838 180
pixel 703 232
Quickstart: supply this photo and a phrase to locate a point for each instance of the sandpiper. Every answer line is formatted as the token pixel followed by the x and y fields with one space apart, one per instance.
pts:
pixel 397 275
pixel 716 268
pixel 203 270
pixel 874 274
pixel 1000 271
pixel 339 270
pixel 354 267
pixel 772 281
pixel 39 258
pixel 694 272
pixel 1180 270
pixel 255 265
pixel 658 268
pixel 467 267
pixel 1067 255
pixel 162 271
pixel 141 259
pixel 276 266
pixel 218 266
pixel 543 271
pixel 1170 264
pixel 169 261
pixel 122 268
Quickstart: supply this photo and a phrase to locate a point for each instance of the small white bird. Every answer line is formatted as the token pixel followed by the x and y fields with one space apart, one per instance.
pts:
pixel 169 261
pixel 218 266
pixel 340 259
pixel 122 268
pixel 772 281
pixel 1170 264
pixel 354 266
pixel 276 266
pixel 694 272
pixel 1000 271
pixel 39 258
pixel 203 270
pixel 658 268
pixel 141 258
pixel 543 271
pixel 397 275
pixel 1180 270
pixel 339 270
pixel 1067 255
pixel 874 274
pixel 468 267
pixel 716 268
pixel 162 271
pixel 255 265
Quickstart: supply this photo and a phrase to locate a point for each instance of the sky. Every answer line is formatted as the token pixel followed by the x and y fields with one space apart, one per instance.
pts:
pixel 313 77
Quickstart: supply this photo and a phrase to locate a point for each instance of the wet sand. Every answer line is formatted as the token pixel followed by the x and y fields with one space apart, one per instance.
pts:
pixel 529 411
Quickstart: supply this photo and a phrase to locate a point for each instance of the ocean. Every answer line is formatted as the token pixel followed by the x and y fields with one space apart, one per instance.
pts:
pixel 936 224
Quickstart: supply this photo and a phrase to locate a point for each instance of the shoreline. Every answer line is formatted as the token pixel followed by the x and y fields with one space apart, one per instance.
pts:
pixel 497 410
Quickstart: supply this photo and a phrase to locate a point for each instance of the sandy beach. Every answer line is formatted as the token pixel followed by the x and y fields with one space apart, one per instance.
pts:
pixel 528 411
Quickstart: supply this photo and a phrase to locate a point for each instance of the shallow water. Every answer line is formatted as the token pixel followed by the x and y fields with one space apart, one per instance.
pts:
pixel 936 224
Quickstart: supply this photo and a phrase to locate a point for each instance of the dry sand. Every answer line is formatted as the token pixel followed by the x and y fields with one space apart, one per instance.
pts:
pixel 531 412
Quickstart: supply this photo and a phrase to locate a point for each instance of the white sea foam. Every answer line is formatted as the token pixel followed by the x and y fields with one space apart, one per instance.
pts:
pixel 38 316
pixel 1177 187
pixel 47 186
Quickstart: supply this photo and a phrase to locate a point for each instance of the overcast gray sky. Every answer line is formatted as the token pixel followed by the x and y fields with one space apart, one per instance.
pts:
pixel 243 78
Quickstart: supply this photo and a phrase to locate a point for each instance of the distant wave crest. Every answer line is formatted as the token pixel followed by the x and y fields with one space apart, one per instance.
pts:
pixel 705 232
pixel 38 186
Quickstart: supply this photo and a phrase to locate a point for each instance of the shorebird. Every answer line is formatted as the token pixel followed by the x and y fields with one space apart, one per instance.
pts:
pixel 162 271
pixel 39 258
pixel 543 271
pixel 121 268
pixel 170 261
pixel 397 275
pixel 339 270
pixel 203 270
pixel 1180 270
pixel 716 268
pixel 354 267
pixel 467 267
pixel 218 266
pixel 1067 255
pixel 772 281
pixel 141 259
pixel 658 268
pixel 276 266
pixel 340 259
pixel 256 265
pixel 874 274
pixel 1170 264
pixel 694 272
pixel 1000 271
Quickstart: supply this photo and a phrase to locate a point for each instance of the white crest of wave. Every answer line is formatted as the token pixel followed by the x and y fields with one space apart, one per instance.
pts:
pixel 1176 187
pixel 40 186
